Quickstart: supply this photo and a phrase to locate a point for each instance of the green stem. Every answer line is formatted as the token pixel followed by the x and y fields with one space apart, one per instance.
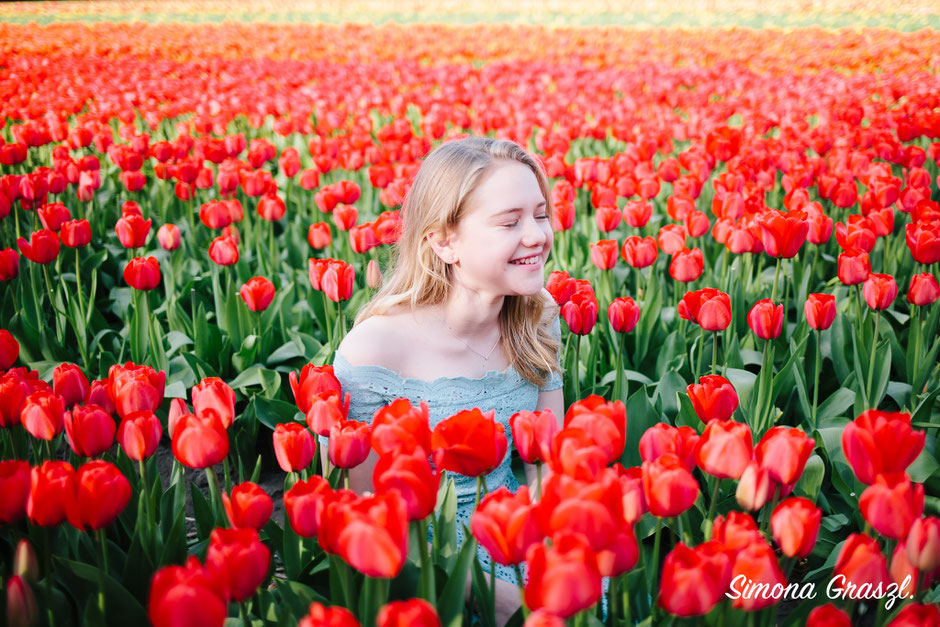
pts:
pixel 78 288
pixel 773 292
pixel 918 332
pixel 243 612
pixel 426 591
pixel 618 386
pixel 712 506
pixel 871 362
pixel 103 572
pixel 215 496
pixel 701 349
pixel 577 366
pixel 715 352
pixel 538 480
pixel 655 567
pixel 816 377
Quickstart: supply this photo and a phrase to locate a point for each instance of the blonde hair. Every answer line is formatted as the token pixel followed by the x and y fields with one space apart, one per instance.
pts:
pixel 438 199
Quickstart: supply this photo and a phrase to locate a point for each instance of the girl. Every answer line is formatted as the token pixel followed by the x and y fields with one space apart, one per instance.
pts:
pixel 463 319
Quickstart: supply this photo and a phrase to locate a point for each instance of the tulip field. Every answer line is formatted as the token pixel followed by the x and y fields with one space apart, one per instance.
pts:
pixel 196 200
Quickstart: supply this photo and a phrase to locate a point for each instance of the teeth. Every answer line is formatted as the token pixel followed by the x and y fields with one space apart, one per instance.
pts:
pixel 526 261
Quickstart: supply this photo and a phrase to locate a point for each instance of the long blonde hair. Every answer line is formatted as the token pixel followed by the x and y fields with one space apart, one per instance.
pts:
pixel 437 201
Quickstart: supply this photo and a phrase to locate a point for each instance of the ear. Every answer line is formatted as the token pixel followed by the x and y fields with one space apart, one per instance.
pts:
pixel 442 245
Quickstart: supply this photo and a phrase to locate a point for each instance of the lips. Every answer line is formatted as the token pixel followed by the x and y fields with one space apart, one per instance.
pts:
pixel 531 260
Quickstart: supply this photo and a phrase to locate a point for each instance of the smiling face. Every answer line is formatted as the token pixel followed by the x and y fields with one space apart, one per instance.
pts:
pixel 502 242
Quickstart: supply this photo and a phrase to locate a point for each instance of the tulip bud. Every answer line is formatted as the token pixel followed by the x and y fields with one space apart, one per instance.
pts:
pixel 169 236
pixel 880 291
pixel 25 563
pixel 754 488
pixel 766 319
pixel 820 311
pixel 923 544
pixel 22 609
pixel 623 314
pixel 924 290
pixel 373 275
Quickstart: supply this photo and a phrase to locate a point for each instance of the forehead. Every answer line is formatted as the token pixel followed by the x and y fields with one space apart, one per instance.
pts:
pixel 508 185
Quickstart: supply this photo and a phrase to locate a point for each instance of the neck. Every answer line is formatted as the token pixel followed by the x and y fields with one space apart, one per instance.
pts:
pixel 471 314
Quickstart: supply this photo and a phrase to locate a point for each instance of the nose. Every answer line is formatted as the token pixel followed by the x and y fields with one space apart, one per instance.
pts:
pixel 534 234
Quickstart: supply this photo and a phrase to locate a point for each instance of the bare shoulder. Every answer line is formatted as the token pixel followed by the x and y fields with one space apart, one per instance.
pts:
pixel 376 341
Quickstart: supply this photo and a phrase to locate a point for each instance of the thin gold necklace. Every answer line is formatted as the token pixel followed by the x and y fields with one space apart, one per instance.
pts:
pixel 485 357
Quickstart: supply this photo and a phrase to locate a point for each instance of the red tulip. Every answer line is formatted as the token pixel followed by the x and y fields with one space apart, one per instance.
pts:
pixel 142 273
pixel 766 319
pixel 623 314
pixel 312 382
pixel 820 311
pixel 891 504
pixel 15 487
pixel 237 562
pixel 724 450
pixel 575 453
pixel 580 312
pixel 820 227
pixel 923 240
pixel 410 475
pixel 49 485
pixel 320 615
pixel 662 438
pixel 860 562
pixel 363 238
pixel 783 451
pixel 863 444
pixel 828 615
pixel 213 397
pixel 139 434
pixel 9 350
pixel 506 525
pixel 9 265
pixel 345 216
pixel 75 233
pixel 709 308
pixel 604 252
pixel 319 236
pixel 90 430
pixel 223 251
pixel 185 595
pixel 713 398
pixel 349 443
pixel 410 613
pixel 532 434
pixel 257 293
pixel 248 507
pixel 134 388
pixel 924 290
pixel 399 426
pixel 795 525
pixel 43 414
pixel 301 505
pixel 337 281
pixel 670 488
pixel 639 252
pixel 880 290
pixel 757 564
pixel 858 233
pixel 271 207
pixel 15 386
pixel 755 487
pixel 470 443
pixel 637 213
pixel 563 579
pixel 782 233
pixel 604 422
pixel 69 382
pixel 327 410
pixel 97 495
pixel 736 532
pixel 923 544
pixel 694 579
pixel 634 499
pixel 132 230
pixel 592 508
pixel 671 238
pixel 42 247
pixel 916 615
pixel 854 267
pixel 370 534
pixel 686 265
pixel 169 237
pixel 199 442
pixel 294 446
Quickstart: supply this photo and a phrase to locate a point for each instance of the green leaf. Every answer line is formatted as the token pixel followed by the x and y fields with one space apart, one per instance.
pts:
pixel 122 607
pixel 835 406
pixel 201 511
pixel 687 416
pixel 445 525
pixel 273 412
pixel 640 417
pixel 812 478
pixel 665 393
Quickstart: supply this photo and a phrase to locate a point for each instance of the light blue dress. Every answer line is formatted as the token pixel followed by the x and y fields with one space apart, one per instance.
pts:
pixel 371 387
